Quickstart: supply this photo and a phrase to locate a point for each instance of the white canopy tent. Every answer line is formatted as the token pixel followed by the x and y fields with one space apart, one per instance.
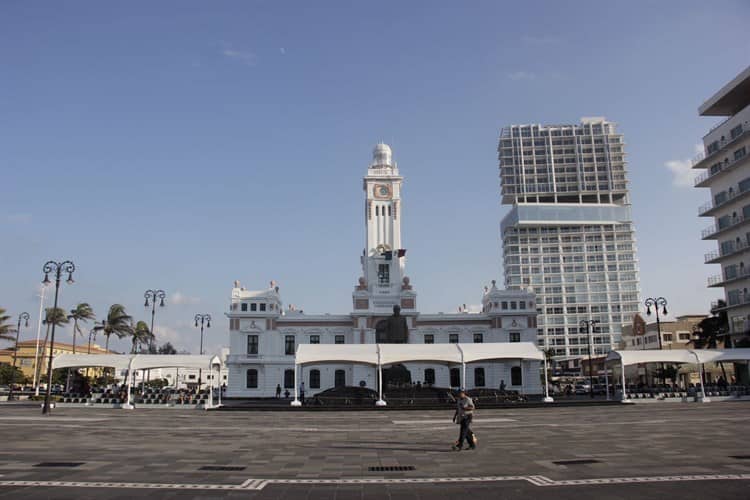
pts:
pixel 691 356
pixel 132 362
pixel 388 354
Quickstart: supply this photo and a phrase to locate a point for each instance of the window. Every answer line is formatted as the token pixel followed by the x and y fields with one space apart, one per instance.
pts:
pixel 455 377
pixel 251 379
pixel 513 304
pixel 243 306
pixel 314 379
pixel 339 339
pixel 515 375
pixel 667 337
pixel 384 271
pixel 514 337
pixel 263 307
pixel 478 377
pixel 288 379
pixel 478 338
pixel 429 376
pixel 453 338
pixel 191 377
pixel 339 378
pixel 504 305
pixel 289 345
pixel 315 339
pixel 429 339
pixel 252 345
pixel 683 336
pixel 253 307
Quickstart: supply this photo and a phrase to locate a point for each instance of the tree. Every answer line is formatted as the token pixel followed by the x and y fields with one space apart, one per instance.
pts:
pixel 83 313
pixel 6 375
pixel 118 322
pixel 52 316
pixel 141 335
pixel 710 331
pixel 6 329
pixel 167 348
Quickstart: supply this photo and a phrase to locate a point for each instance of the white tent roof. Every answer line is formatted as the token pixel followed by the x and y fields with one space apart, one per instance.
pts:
pixel 134 361
pixel 116 361
pixel 387 354
pixel 501 350
pixel 679 356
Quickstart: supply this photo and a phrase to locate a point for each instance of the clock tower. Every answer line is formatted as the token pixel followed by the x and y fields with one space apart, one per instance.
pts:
pixel 382 284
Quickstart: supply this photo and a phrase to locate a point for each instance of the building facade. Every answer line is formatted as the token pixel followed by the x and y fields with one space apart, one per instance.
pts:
pixel 28 361
pixel 569 236
pixel 264 334
pixel 727 175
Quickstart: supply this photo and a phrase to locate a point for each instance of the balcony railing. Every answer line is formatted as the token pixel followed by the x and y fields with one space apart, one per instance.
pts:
pixel 720 280
pixel 723 167
pixel 735 249
pixel 701 157
pixel 731 195
pixel 714 230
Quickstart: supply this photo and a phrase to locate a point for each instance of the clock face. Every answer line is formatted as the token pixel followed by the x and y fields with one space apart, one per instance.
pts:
pixel 382 191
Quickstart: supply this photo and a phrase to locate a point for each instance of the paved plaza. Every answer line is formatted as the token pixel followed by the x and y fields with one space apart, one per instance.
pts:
pixel 643 450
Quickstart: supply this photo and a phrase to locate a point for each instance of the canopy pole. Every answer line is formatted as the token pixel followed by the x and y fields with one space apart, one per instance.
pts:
pixel 624 391
pixel 296 401
pixel 380 401
pixel 704 399
pixel 523 379
pixel 220 385
pixel 210 387
pixel 606 380
pixel 547 398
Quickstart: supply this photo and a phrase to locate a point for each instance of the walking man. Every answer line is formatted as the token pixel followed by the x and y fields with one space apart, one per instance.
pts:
pixel 463 416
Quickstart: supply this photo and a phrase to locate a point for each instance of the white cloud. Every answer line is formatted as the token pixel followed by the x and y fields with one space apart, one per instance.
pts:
pixel 178 298
pixel 245 57
pixel 282 50
pixel 521 75
pixel 682 173
pixel 18 218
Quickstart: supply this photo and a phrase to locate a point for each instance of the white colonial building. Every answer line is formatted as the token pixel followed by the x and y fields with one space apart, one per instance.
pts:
pixel 264 335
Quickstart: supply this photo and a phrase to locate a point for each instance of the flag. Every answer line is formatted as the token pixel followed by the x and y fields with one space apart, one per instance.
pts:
pixel 401 252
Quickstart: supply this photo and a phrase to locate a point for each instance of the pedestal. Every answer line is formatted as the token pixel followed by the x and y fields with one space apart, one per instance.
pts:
pixel 380 402
pixel 296 402
pixel 548 399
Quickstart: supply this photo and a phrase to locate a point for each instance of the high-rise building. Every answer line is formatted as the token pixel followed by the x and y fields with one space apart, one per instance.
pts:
pixel 727 175
pixel 569 236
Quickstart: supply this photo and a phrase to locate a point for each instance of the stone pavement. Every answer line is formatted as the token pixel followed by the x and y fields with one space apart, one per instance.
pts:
pixel 690 450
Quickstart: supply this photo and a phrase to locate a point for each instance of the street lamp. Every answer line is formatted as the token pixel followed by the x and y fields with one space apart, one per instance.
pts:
pixel 58 268
pixel 656 303
pixel 589 325
pixel 202 318
pixel 24 316
pixel 151 297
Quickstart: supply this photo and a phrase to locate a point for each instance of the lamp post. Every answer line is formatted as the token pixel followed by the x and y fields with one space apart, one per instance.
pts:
pixel 151 296
pixel 37 372
pixel 202 318
pixel 24 316
pixel 656 303
pixel 589 325
pixel 57 268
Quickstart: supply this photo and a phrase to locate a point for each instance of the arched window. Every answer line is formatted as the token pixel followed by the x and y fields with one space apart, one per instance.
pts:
pixel 339 379
pixel 429 376
pixel 377 210
pixel 251 378
pixel 455 377
pixel 478 377
pixel 314 379
pixel 288 379
pixel 389 210
pixel 515 376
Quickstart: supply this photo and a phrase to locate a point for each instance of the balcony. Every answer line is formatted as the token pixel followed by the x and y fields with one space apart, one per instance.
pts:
pixel 719 280
pixel 707 209
pixel 716 256
pixel 700 160
pixel 713 231
pixel 701 180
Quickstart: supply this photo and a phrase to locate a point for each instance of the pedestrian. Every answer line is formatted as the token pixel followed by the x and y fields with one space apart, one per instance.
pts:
pixel 502 385
pixel 278 391
pixel 302 392
pixel 463 416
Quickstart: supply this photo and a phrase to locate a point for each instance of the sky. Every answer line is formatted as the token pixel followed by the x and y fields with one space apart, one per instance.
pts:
pixel 185 145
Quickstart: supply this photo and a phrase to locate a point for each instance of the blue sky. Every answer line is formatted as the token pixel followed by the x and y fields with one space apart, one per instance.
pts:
pixel 183 145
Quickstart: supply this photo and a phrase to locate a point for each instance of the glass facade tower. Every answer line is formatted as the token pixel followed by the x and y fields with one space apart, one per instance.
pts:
pixel 569 235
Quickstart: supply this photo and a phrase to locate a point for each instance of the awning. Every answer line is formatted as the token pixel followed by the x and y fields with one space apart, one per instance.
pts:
pixel 135 361
pixel 679 356
pixel 116 361
pixel 388 354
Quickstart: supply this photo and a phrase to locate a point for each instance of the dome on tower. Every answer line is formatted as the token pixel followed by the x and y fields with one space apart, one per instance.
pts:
pixel 382 154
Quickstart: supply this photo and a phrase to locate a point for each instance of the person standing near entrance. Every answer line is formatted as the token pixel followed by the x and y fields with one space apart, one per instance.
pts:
pixel 278 391
pixel 464 416
pixel 302 392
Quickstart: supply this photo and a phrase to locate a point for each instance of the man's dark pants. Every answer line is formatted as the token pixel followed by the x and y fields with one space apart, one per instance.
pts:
pixel 466 433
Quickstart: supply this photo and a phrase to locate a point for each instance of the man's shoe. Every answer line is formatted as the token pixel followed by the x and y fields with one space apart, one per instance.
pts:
pixel 472 447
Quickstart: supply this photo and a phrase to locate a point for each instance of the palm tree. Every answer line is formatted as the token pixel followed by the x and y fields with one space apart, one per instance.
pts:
pixel 6 329
pixel 52 316
pixel 118 322
pixel 141 335
pixel 83 313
